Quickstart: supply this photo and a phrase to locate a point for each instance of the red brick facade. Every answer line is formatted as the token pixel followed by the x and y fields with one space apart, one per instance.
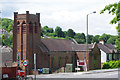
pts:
pixel 53 54
pixel 93 57
pixel 26 36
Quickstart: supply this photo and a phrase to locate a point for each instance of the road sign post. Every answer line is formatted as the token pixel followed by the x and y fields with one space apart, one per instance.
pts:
pixel 35 65
pixel 25 62
pixel 18 58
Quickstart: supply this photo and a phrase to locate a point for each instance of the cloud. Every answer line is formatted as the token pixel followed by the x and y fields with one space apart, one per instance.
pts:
pixel 64 13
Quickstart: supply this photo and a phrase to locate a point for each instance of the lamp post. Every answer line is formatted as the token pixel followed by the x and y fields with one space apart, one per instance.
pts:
pixel 87 39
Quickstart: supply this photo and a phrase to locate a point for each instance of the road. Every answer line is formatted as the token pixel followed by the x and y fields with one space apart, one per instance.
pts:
pixel 113 75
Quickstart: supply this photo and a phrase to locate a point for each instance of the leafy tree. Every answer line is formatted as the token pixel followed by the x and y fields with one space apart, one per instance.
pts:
pixel 113 9
pixel 104 37
pixel 70 33
pixel 95 39
pixel 117 44
pixel 46 30
pixel 80 38
pixel 59 32
pixel 7 24
pixel 112 39
pixel 90 39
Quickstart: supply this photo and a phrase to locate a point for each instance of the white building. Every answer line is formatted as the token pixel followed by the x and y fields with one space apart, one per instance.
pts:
pixel 108 52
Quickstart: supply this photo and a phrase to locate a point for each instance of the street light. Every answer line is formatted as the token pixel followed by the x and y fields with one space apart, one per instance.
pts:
pixel 87 38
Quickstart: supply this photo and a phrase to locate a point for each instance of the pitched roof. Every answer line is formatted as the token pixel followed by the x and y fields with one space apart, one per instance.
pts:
pixel 56 45
pixel 107 48
pixel 82 47
pixel 62 45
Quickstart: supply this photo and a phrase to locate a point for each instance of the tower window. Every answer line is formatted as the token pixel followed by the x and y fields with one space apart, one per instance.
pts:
pixel 24 28
pixel 35 27
pixel 18 28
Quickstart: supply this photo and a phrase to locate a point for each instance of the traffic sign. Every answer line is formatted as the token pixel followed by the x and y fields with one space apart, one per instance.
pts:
pixel 18 56
pixel 25 62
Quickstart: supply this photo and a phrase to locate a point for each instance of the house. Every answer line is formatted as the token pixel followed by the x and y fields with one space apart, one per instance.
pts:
pixel 6 56
pixel 92 56
pixel 108 52
pixel 50 53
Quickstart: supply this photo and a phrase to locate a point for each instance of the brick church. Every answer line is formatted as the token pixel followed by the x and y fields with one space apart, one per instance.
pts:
pixel 51 53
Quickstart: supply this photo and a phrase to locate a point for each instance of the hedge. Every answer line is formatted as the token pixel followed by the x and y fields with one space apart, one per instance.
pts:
pixel 111 64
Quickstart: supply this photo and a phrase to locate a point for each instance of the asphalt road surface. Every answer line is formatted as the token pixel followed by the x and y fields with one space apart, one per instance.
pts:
pixel 80 76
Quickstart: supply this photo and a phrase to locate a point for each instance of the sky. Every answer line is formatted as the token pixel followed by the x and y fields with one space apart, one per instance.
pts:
pixel 68 14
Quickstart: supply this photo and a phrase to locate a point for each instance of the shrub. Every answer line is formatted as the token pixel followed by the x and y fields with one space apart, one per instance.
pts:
pixel 111 64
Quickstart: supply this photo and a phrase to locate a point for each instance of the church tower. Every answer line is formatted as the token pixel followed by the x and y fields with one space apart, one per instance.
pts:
pixel 26 38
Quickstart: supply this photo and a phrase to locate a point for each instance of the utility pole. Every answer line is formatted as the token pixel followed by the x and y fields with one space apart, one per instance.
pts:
pixel 35 66
pixel 87 39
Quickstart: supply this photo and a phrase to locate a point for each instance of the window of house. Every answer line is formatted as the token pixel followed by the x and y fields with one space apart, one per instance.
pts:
pixel 107 56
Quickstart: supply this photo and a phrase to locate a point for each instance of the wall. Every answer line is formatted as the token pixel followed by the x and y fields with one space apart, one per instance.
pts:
pixel 103 56
pixel 60 59
pixel 95 58
pixel 11 71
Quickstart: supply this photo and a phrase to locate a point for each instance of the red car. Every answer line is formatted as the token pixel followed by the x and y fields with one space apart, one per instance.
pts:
pixel 20 73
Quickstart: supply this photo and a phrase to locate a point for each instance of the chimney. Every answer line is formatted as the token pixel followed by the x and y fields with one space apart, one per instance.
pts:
pixel 101 41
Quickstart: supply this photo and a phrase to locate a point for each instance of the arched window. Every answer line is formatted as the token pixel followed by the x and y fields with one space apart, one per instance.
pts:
pixel 30 27
pixel 35 27
pixel 52 59
pixel 59 61
pixel 24 27
pixel 18 27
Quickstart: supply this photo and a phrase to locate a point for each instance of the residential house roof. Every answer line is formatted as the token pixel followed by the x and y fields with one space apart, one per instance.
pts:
pixel 107 48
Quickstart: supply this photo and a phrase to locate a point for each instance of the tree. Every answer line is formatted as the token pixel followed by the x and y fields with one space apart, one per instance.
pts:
pixel 112 39
pixel 104 37
pixel 113 9
pixel 90 39
pixel 59 32
pixel 80 38
pixel 70 33
pixel 95 39
pixel 117 44
pixel 7 24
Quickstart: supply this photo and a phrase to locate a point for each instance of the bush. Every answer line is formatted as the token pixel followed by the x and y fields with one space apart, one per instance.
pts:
pixel 111 64
pixel 106 65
